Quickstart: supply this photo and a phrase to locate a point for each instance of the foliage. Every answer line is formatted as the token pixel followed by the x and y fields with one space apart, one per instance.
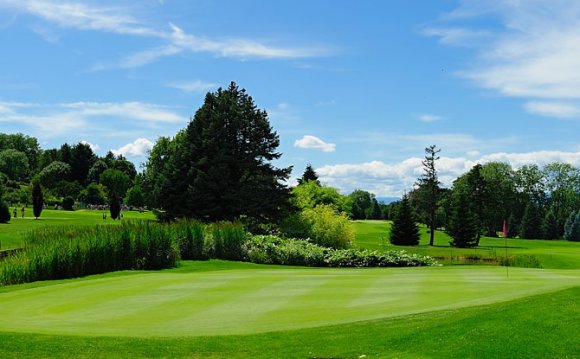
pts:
pixel 275 250
pixel 96 170
pixel 93 194
pixel 115 181
pixel 531 226
pixel 68 203
pixel 429 183
pixel 114 205
pixel 404 230
pixel 309 175
pixel 64 252
pixel 55 172
pixel 499 196
pixel 82 159
pixel 37 199
pixel 191 239
pixel 14 164
pixel 327 227
pixel 226 240
pixel 362 204
pixel 4 212
pixel 309 195
pixel 220 168
pixel 550 227
pixel 463 226
pixel 512 226
pixel 572 227
pixel 135 197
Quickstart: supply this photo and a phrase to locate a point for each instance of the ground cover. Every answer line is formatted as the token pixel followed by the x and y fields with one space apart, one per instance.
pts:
pixel 267 298
pixel 551 254
pixel 244 298
pixel 12 233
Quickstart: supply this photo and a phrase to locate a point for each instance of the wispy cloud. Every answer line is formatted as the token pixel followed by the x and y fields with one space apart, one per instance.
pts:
pixel 426 117
pixel 457 36
pixel 313 142
pixel 394 179
pixel 62 118
pixel 534 55
pixel 552 109
pixel 137 148
pixel 173 40
pixel 193 86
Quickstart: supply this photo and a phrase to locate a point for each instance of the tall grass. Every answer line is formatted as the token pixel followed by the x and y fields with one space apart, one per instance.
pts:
pixel 226 240
pixel 64 252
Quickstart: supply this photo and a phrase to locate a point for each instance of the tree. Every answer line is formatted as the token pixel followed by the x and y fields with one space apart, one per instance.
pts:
pixel 550 227
pixel 53 173
pixel 404 230
pixel 114 205
pixel 135 197
pixel 463 226
pixel 221 168
pixel 115 181
pixel 499 196
pixel 82 159
pixel 96 170
pixel 309 175
pixel 22 143
pixel 430 183
pixel 309 195
pixel 14 164
pixel 93 194
pixel 512 226
pixel 531 227
pixel 562 182
pixel 157 169
pixel 572 227
pixel 362 202
pixel 4 212
pixel 375 212
pixel 37 199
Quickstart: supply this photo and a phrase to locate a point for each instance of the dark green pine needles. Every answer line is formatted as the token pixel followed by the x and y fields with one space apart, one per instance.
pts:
pixel 404 230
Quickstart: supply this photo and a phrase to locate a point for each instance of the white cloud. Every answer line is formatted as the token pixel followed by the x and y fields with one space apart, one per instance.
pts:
pixel 137 148
pixel 93 147
pixel 393 180
pixel 457 36
pixel 52 120
pixel 193 86
pixel 426 117
pixel 533 55
pixel 552 109
pixel 313 142
pixel 174 41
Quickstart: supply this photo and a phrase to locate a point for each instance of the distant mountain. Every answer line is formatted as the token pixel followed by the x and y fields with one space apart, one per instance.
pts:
pixel 387 200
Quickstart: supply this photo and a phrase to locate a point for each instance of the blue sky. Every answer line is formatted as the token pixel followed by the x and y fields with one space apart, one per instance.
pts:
pixel 356 88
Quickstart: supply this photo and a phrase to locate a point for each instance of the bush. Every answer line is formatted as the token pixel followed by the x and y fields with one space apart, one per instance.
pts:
pixel 227 240
pixel 4 212
pixel 68 203
pixel 328 228
pixel 275 250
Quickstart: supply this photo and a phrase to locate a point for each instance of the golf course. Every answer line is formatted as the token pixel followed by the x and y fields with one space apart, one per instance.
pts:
pixel 217 308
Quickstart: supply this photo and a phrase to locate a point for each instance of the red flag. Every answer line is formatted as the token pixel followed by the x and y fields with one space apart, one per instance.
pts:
pixel 504 230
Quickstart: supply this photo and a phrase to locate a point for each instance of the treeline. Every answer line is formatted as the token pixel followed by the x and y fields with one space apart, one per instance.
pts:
pixel 68 175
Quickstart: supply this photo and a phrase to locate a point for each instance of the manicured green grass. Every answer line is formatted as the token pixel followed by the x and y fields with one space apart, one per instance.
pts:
pixel 267 298
pixel 12 234
pixel 229 309
pixel 551 254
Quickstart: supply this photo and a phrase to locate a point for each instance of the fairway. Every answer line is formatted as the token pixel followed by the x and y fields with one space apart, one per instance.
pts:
pixel 203 301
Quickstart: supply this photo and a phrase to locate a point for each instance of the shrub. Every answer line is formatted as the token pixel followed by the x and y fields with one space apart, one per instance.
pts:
pixel 68 203
pixel 4 212
pixel 328 228
pixel 275 250
pixel 227 239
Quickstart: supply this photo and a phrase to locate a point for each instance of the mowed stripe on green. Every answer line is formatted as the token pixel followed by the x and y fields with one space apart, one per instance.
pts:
pixel 224 302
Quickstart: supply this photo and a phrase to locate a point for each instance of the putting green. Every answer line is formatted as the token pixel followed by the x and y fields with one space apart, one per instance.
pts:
pixel 171 303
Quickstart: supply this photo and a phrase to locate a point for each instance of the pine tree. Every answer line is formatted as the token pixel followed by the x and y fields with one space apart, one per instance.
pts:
pixel 531 227
pixel 404 230
pixel 114 205
pixel 550 228
pixel 37 199
pixel 572 227
pixel 309 175
pixel 221 167
pixel 463 226
pixel 429 182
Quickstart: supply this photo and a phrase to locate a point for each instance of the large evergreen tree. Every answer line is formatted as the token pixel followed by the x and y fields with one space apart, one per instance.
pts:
pixel 463 226
pixel 404 230
pixel 221 168
pixel 550 228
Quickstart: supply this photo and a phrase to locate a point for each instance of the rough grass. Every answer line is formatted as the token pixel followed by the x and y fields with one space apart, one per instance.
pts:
pixel 12 234
pixel 550 254
pixel 534 327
